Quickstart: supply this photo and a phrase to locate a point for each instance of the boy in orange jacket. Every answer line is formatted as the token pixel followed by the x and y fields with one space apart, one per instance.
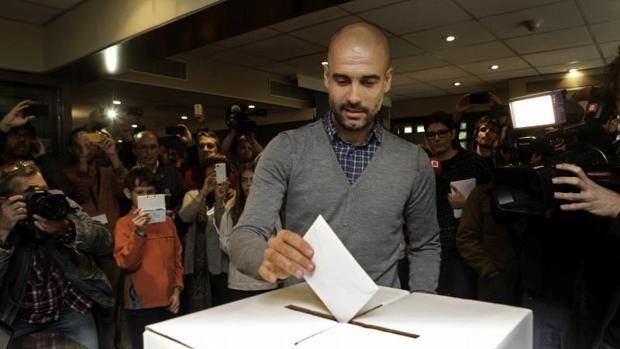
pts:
pixel 150 255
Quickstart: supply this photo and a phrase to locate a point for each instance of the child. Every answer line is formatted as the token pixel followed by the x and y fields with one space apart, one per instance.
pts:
pixel 150 255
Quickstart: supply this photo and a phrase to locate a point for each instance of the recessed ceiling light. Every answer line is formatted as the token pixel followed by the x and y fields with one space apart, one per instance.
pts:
pixel 112 113
pixel 183 117
pixel 456 83
pixel 573 70
pixel 116 101
pixel 494 67
pixel 408 129
pixel 251 106
pixel 324 63
pixel 134 125
pixel 450 38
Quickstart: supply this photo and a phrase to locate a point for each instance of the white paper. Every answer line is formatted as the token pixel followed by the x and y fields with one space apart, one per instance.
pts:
pixel 102 218
pixel 465 186
pixel 338 280
pixel 155 206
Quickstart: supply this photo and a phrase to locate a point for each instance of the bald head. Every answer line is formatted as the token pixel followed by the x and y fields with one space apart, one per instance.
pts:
pixel 146 148
pixel 360 36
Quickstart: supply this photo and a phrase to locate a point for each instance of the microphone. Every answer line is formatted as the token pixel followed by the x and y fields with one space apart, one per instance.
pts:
pixel 436 165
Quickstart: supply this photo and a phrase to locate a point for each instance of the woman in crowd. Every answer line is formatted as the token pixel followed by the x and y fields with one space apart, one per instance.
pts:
pixel 240 285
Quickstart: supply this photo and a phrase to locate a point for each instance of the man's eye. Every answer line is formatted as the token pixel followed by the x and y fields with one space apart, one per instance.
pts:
pixel 369 83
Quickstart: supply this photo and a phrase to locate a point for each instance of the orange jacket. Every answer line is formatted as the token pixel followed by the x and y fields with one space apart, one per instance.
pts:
pixel 152 264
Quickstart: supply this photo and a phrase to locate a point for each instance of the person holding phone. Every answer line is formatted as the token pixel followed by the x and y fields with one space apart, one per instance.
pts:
pixel 206 268
pixel 22 143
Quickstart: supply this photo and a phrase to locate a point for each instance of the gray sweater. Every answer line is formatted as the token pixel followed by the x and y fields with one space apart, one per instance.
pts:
pixel 299 173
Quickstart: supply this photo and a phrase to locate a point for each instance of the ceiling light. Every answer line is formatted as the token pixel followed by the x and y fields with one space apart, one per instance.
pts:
pixel 420 129
pixel 573 70
pixel 119 141
pixel 112 113
pixel 110 59
pixel 324 63
pixel 183 117
pixel 494 67
pixel 134 125
pixel 450 38
pixel 116 101
pixel 457 83
pixel 408 129
pixel 251 106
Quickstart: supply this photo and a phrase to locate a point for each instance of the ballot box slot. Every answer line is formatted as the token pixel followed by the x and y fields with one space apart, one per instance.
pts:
pixel 352 322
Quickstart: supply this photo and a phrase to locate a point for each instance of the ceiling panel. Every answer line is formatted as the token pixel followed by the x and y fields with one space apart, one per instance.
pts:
pixel 475 53
pixel 416 15
pixel 240 58
pixel 448 72
pixel 563 68
pixel 57 4
pixel 466 33
pixel 309 64
pixel 554 17
pixel 321 33
pixel 597 11
pixel 281 48
pixel 578 54
pixel 27 12
pixel 280 69
pixel 206 51
pixel 401 48
pixel 413 88
pixel 606 32
pixel 503 75
pixel 401 79
pixel 467 85
pixel 248 38
pixel 419 62
pixel 363 5
pixel 564 38
pixel 485 8
pixel 610 49
pixel 309 19
pixel 425 94
pixel 505 64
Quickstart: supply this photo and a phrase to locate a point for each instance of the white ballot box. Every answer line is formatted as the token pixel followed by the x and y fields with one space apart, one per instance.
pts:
pixel 294 317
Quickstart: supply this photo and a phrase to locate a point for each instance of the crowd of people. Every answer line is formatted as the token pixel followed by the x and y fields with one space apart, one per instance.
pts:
pixel 399 213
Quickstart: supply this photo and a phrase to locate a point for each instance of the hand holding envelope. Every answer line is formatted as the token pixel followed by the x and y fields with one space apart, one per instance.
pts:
pixel 287 254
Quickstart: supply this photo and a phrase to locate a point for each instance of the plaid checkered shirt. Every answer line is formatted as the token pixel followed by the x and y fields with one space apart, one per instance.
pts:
pixel 352 158
pixel 43 302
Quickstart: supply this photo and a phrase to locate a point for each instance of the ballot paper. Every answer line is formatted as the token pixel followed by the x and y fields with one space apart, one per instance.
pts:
pixel 154 205
pixel 338 280
pixel 465 186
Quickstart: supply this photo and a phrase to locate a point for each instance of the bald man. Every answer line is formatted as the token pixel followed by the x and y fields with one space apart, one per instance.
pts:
pixel 371 186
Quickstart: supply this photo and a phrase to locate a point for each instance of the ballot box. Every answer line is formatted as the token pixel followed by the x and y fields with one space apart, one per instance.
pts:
pixel 294 317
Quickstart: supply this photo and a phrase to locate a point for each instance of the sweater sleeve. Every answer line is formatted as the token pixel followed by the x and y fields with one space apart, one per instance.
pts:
pixel 469 235
pixel 178 258
pixel 248 239
pixel 226 228
pixel 128 246
pixel 420 215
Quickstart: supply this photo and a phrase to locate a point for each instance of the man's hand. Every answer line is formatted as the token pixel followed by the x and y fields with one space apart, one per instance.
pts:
pixel 174 301
pixel 456 198
pixel 108 146
pixel 58 228
pixel 592 197
pixel 38 148
pixel 15 117
pixel 209 184
pixel 12 210
pixel 286 254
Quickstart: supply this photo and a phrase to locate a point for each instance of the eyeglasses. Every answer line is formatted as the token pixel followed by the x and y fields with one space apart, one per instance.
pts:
pixel 440 133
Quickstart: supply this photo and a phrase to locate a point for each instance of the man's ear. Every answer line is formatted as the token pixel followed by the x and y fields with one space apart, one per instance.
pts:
pixel 388 80
pixel 326 75
pixel 127 193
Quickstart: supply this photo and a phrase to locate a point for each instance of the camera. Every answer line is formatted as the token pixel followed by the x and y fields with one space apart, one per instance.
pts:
pixel 50 206
pixel 237 117
pixel 548 124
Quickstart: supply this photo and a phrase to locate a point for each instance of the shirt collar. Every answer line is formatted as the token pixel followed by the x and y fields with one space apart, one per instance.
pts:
pixel 332 131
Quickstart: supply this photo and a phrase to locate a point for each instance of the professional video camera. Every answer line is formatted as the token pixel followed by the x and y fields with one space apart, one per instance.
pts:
pixel 237 117
pixel 540 125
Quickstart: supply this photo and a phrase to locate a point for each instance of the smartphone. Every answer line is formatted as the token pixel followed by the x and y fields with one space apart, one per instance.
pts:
pixel 36 108
pixel 197 109
pixel 175 130
pixel 93 137
pixel 481 97
pixel 220 173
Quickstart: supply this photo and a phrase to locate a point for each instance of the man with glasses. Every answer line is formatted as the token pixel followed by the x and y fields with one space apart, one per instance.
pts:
pixel 455 278
pixel 43 262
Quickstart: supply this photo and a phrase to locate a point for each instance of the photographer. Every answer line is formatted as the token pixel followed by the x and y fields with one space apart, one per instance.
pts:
pixel 597 315
pixel 241 147
pixel 48 280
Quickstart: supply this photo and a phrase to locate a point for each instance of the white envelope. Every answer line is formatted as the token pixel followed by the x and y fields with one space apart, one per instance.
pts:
pixel 465 186
pixel 155 206
pixel 338 280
